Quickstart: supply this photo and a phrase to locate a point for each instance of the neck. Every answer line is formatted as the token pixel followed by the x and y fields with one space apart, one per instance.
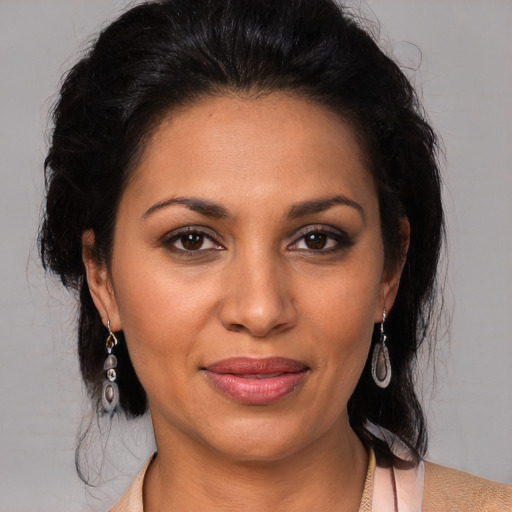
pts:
pixel 326 475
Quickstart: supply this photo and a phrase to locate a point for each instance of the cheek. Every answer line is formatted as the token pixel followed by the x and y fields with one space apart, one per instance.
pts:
pixel 341 317
pixel 162 312
pixel 344 303
pixel 152 295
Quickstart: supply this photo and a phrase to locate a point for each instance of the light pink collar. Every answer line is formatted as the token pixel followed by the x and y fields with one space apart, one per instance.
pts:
pixel 398 490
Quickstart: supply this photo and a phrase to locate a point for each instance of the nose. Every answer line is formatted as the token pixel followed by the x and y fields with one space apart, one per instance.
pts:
pixel 257 298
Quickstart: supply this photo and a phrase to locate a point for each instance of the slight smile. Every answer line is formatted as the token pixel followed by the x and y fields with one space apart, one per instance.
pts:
pixel 254 381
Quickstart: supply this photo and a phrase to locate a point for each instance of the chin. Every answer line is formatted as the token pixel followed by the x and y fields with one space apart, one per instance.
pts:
pixel 260 441
pixel 259 451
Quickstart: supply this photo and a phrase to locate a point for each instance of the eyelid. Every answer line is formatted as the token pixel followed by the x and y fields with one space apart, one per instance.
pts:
pixel 170 236
pixel 340 236
pixel 343 239
pixel 319 228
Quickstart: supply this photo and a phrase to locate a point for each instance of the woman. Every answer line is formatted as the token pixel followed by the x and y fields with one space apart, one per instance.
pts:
pixel 247 198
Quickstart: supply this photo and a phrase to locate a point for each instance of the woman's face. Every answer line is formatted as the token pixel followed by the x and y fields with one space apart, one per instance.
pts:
pixel 247 274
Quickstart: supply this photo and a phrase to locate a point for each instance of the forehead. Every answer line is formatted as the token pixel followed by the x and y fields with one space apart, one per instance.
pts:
pixel 232 146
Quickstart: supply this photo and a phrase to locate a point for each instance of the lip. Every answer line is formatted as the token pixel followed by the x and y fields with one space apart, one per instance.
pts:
pixel 256 381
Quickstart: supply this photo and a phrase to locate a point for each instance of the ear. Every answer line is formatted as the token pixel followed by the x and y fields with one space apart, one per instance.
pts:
pixel 100 284
pixel 391 276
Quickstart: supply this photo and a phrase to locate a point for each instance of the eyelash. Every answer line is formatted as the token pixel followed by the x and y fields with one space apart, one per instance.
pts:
pixel 342 240
pixel 174 237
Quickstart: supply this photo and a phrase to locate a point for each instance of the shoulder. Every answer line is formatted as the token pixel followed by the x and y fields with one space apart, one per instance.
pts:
pixel 448 489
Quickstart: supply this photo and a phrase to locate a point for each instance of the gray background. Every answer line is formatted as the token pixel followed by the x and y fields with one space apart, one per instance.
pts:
pixel 466 81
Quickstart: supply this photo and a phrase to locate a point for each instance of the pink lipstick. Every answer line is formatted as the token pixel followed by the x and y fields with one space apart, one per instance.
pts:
pixel 254 381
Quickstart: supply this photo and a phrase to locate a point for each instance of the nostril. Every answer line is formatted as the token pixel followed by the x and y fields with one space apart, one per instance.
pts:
pixel 236 327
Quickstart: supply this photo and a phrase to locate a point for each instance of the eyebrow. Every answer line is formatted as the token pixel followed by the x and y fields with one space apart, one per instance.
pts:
pixel 320 205
pixel 207 208
pixel 211 209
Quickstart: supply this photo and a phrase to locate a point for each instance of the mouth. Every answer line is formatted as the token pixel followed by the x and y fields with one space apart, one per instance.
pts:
pixel 256 381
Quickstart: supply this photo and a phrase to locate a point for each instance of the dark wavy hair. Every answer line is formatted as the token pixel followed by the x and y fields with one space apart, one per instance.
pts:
pixel 166 54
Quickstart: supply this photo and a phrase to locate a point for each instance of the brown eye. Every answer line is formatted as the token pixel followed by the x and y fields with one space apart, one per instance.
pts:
pixel 316 240
pixel 321 240
pixel 192 241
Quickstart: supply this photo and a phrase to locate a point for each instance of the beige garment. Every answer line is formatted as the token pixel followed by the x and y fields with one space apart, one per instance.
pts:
pixel 367 497
pixel 445 490
pixel 449 490
pixel 132 499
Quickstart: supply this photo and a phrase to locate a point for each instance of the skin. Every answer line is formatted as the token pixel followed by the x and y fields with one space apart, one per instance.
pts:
pixel 253 286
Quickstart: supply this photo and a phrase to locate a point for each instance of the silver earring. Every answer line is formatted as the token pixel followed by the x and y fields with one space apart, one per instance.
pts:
pixel 110 390
pixel 381 364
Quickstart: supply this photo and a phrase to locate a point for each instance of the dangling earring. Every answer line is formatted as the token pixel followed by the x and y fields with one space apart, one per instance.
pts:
pixel 110 390
pixel 381 364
